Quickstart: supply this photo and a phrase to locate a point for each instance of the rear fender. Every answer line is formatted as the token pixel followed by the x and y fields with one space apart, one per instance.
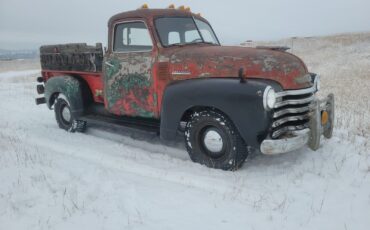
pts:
pixel 70 87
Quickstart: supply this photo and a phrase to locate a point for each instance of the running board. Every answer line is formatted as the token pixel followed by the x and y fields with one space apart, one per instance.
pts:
pixel 97 112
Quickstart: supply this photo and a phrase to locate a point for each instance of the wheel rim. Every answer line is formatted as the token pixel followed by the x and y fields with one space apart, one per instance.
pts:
pixel 66 114
pixel 213 143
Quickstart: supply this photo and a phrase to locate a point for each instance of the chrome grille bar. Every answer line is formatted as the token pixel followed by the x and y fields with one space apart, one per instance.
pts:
pixel 290 118
pixel 291 110
pixel 312 89
pixel 295 101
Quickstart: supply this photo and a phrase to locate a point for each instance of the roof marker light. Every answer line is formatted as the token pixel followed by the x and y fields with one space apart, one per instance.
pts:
pixel 145 6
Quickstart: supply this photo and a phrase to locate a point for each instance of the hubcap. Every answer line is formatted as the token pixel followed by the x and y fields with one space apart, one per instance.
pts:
pixel 213 141
pixel 66 114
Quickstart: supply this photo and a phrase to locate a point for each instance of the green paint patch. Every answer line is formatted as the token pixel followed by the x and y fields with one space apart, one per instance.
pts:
pixel 71 87
pixel 135 81
pixel 110 71
pixel 124 84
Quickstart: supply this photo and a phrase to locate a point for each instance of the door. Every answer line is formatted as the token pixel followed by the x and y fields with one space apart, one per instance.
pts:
pixel 129 88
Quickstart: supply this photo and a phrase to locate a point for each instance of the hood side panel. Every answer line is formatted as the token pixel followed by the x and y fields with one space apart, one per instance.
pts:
pixel 220 61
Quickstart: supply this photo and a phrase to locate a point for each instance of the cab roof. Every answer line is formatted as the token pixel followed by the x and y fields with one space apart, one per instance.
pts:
pixel 150 14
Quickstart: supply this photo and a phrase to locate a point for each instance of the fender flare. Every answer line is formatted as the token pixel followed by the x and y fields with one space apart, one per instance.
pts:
pixel 70 87
pixel 241 102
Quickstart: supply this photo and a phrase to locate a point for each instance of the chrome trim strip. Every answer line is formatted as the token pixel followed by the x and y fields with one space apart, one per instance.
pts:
pixel 181 73
pixel 292 110
pixel 294 101
pixel 312 89
pixel 296 92
pixel 290 118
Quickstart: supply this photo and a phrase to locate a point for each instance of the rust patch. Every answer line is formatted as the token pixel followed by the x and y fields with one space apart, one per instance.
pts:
pixel 218 61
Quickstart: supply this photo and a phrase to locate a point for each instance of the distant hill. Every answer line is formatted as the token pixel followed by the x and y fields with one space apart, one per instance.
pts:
pixel 18 54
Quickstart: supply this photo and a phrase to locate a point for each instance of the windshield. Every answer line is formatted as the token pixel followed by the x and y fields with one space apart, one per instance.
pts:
pixel 183 31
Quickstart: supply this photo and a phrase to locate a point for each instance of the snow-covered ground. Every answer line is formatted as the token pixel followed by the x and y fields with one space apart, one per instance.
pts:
pixel 119 178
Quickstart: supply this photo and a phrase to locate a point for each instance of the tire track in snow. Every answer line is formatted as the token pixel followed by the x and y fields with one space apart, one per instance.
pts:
pixel 158 167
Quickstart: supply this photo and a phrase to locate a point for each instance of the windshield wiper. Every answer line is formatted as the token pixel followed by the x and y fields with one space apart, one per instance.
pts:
pixel 191 43
pixel 203 42
pixel 211 43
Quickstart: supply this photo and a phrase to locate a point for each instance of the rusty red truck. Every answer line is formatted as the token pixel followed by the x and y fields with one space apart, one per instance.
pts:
pixel 165 70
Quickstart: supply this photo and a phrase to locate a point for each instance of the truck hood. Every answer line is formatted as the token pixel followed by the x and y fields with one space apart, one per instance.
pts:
pixel 223 61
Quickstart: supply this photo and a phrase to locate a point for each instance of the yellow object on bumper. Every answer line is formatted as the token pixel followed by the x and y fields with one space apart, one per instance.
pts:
pixel 324 117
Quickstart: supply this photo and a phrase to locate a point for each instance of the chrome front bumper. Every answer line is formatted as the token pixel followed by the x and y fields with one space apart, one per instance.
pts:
pixel 309 136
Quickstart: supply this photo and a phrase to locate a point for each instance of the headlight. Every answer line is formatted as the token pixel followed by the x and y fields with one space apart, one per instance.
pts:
pixel 269 98
pixel 317 82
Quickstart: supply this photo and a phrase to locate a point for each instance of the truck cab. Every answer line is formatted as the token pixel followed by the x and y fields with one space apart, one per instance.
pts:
pixel 166 69
pixel 141 50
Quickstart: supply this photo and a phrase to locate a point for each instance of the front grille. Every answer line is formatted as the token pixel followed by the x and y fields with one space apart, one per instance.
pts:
pixel 292 111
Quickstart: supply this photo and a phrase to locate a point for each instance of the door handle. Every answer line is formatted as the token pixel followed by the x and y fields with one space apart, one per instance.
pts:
pixel 108 64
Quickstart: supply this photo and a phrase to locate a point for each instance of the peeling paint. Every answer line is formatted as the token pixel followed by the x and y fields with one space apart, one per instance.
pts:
pixel 129 85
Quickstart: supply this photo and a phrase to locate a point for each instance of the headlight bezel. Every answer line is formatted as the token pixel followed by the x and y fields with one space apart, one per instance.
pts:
pixel 269 98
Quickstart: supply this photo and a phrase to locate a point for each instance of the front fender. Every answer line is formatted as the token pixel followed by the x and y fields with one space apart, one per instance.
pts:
pixel 70 87
pixel 241 102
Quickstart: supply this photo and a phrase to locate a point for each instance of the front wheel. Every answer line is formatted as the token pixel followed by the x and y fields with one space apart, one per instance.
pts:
pixel 211 139
pixel 65 118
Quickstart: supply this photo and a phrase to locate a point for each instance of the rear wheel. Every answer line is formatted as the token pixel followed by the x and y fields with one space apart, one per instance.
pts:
pixel 65 118
pixel 211 139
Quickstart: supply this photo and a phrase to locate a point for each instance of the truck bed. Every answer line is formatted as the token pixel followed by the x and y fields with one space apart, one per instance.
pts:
pixel 75 59
pixel 72 57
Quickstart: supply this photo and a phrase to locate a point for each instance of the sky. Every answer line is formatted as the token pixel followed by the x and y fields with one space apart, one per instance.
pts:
pixel 26 24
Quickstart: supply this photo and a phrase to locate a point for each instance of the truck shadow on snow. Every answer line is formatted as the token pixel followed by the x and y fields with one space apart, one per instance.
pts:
pixel 150 142
pixel 137 138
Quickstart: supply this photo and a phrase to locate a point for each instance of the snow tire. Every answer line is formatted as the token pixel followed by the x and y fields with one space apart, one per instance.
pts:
pixel 64 117
pixel 228 152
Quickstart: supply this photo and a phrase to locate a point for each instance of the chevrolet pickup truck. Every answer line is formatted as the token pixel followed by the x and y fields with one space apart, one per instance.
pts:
pixel 165 70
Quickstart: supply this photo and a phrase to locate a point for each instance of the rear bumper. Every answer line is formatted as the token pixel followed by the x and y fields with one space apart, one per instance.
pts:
pixel 310 136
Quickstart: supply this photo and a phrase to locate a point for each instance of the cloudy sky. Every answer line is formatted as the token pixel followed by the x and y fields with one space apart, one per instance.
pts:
pixel 29 23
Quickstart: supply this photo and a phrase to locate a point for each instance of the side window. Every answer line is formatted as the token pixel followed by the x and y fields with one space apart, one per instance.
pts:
pixel 132 36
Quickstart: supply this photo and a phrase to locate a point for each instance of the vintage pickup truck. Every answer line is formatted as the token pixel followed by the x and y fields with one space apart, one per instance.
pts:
pixel 165 70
